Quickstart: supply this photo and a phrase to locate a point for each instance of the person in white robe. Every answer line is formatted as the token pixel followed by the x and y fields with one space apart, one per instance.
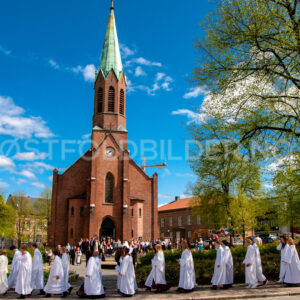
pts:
pixel 228 265
pixel 3 273
pixel 127 280
pixel 65 260
pixel 259 272
pixel 250 265
pixel 37 277
pixel 283 247
pixel 93 282
pixel 23 283
pixel 56 284
pixel 292 274
pixel 219 270
pixel 14 268
pixel 187 280
pixel 157 277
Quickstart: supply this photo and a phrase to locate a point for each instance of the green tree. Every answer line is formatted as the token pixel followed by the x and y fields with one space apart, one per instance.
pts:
pixel 222 171
pixel 287 183
pixel 21 204
pixel 7 219
pixel 42 207
pixel 250 64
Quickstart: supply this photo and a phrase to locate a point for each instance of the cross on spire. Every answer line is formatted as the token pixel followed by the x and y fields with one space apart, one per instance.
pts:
pixel 112 4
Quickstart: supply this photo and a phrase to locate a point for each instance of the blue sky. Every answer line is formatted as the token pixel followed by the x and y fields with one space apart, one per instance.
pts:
pixel 48 55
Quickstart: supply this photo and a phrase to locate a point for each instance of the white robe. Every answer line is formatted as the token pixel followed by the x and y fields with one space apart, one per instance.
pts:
pixel 37 277
pixel 23 284
pixel 118 268
pixel 3 274
pixel 158 270
pixel 259 272
pixel 292 275
pixel 228 265
pixel 250 272
pixel 187 280
pixel 93 284
pixel 14 270
pixel 282 259
pixel 66 265
pixel 127 281
pixel 219 276
pixel 56 286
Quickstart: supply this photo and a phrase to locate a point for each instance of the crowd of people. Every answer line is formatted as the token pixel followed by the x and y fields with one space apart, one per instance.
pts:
pixel 27 274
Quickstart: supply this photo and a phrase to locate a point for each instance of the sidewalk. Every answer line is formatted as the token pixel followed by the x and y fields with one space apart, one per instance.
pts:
pixel 277 291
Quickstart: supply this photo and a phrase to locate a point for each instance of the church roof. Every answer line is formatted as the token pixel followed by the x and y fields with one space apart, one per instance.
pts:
pixel 111 55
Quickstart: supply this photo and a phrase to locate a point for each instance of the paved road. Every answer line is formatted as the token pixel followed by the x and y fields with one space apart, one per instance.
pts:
pixel 273 290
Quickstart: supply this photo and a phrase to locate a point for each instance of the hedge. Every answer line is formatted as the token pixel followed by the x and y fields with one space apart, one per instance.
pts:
pixel 204 264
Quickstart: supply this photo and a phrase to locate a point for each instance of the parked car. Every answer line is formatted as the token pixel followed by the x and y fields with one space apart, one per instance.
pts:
pixel 267 240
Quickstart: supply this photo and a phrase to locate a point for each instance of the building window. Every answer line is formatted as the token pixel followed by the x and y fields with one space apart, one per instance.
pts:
pixel 178 235
pixel 72 211
pixel 38 238
pixel 189 234
pixel 171 234
pixel 198 220
pixel 171 221
pixel 162 235
pixel 122 97
pixel 81 211
pixel 111 99
pixel 28 225
pixel 109 187
pixel 162 222
pixel 179 221
pixel 132 233
pixel 132 212
pixel 100 100
pixel 140 212
pixel 189 220
pixel 71 233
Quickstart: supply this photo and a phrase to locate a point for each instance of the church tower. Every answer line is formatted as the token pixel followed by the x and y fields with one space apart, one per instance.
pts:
pixel 110 83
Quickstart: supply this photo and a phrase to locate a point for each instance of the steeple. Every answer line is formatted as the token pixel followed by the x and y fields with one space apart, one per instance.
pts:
pixel 111 55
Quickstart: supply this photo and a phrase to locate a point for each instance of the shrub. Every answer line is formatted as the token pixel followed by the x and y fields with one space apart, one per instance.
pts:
pixel 204 264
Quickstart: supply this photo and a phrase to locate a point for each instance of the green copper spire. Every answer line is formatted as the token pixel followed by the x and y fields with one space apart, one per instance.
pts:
pixel 111 56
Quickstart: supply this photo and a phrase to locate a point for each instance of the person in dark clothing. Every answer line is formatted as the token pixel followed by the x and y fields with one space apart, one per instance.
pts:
pixel 118 256
pixel 72 256
pixel 88 255
pixel 134 255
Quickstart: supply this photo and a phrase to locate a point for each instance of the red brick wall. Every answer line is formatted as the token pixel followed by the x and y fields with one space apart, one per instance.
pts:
pixel 73 182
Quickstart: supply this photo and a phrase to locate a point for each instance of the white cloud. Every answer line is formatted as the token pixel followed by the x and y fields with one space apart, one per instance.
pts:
pixel 38 184
pixel 88 72
pixel 139 72
pixel 27 174
pixel 4 51
pixel 159 76
pixel 126 51
pixel 6 162
pixel 50 178
pixel 143 61
pixel 268 186
pixel 86 136
pixel 195 92
pixel 21 181
pixel 14 123
pixel 165 196
pixel 166 172
pixel 42 165
pixel 192 116
pixel 29 156
pixel 53 64
pixel 3 184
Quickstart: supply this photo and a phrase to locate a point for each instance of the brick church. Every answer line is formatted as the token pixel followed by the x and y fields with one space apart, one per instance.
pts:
pixel 105 193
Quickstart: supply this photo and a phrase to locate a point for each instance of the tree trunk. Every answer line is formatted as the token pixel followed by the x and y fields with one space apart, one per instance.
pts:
pixel 244 234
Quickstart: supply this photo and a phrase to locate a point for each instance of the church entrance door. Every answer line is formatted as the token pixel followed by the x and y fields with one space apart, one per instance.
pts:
pixel 107 229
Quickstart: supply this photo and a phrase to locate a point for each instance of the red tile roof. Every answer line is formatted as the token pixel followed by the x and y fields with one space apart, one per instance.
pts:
pixel 179 204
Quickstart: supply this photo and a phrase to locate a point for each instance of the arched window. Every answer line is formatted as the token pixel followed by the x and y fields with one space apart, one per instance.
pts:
pixel 122 98
pixel 81 211
pixel 111 99
pixel 72 211
pixel 71 233
pixel 100 100
pixel 109 188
